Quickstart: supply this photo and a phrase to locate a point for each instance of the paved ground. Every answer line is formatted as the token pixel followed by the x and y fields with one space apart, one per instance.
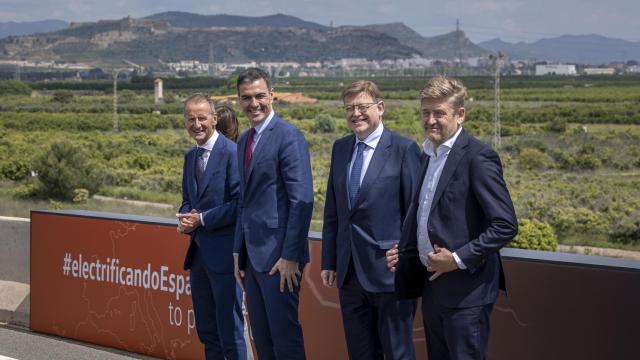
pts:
pixel 21 344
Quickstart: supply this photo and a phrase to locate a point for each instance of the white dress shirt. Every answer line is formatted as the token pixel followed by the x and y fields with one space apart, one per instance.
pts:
pixel 437 160
pixel 208 147
pixel 371 143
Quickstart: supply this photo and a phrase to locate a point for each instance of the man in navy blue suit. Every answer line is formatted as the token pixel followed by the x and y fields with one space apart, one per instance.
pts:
pixel 210 187
pixel 460 217
pixel 371 179
pixel 274 213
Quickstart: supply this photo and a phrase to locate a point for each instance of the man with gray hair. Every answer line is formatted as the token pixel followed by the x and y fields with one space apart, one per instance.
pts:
pixel 210 188
pixel 460 217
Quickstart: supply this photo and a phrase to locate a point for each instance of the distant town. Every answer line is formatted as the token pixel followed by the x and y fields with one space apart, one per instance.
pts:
pixel 181 45
pixel 346 67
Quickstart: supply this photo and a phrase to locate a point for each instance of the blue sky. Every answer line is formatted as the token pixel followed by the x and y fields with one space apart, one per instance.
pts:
pixel 510 20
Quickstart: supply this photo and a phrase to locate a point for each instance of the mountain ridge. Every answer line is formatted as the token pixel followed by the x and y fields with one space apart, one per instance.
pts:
pixel 13 28
pixel 174 35
pixel 583 49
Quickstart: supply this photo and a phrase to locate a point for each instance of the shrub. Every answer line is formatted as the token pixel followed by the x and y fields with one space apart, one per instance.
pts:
pixel 627 229
pixel 14 169
pixel 63 97
pixel 26 191
pixel 13 87
pixel 580 220
pixel 535 235
pixel 55 205
pixel 80 196
pixel 323 123
pixel 557 125
pixel 126 96
pixel 64 167
pixel 531 158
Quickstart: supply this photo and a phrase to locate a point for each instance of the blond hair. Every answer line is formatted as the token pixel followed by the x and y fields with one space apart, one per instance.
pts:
pixel 444 88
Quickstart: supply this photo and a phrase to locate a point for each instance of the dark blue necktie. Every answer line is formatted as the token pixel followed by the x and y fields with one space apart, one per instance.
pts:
pixel 356 171
pixel 199 164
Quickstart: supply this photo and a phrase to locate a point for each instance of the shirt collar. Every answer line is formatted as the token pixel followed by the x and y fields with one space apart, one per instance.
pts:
pixel 447 145
pixel 373 138
pixel 263 124
pixel 212 140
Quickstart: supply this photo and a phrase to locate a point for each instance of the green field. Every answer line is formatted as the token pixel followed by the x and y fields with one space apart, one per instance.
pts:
pixel 570 146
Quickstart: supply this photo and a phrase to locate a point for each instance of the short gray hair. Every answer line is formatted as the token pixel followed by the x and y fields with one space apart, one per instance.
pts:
pixel 198 98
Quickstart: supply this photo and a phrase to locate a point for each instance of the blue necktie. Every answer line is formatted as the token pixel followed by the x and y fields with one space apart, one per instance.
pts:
pixel 356 171
pixel 199 164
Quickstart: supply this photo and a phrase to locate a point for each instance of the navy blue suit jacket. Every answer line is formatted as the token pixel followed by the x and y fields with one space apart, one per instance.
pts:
pixel 216 198
pixel 364 232
pixel 472 215
pixel 276 199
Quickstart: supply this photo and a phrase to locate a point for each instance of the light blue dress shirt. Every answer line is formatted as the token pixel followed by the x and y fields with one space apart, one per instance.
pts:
pixel 260 130
pixel 437 160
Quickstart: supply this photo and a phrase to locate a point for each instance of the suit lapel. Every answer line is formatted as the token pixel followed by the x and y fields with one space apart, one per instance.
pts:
pixel 216 154
pixel 343 159
pixel 458 151
pixel 423 172
pixel 242 149
pixel 191 174
pixel 378 160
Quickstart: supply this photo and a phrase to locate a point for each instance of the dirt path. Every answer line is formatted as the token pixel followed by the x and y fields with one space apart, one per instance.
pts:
pixel 590 250
pixel 134 202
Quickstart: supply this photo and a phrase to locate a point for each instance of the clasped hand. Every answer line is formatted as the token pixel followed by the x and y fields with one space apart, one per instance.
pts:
pixel 188 222
pixel 439 261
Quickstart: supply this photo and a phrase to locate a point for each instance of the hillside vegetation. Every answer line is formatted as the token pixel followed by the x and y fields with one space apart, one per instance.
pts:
pixel 570 147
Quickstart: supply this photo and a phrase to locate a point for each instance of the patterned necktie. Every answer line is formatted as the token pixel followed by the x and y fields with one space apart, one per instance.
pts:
pixel 199 164
pixel 248 153
pixel 356 171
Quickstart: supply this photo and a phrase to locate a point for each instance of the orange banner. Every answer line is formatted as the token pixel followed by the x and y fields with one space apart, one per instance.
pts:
pixel 113 283
pixel 120 283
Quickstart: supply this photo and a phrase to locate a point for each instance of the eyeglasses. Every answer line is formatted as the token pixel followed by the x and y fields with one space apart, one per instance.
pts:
pixel 360 107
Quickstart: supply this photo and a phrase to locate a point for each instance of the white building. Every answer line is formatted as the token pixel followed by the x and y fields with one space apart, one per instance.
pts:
pixel 279 65
pixel 556 69
pixel 634 69
pixel 353 62
pixel 251 64
pixel 599 71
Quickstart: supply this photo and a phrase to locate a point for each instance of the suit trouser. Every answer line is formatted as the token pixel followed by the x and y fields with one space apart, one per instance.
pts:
pixel 217 304
pixel 376 325
pixel 455 333
pixel 276 330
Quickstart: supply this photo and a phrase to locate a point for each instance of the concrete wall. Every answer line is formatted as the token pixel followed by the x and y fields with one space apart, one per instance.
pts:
pixel 14 249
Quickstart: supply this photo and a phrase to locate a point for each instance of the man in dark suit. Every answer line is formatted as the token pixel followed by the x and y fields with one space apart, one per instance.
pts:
pixel 274 213
pixel 460 217
pixel 210 187
pixel 371 179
